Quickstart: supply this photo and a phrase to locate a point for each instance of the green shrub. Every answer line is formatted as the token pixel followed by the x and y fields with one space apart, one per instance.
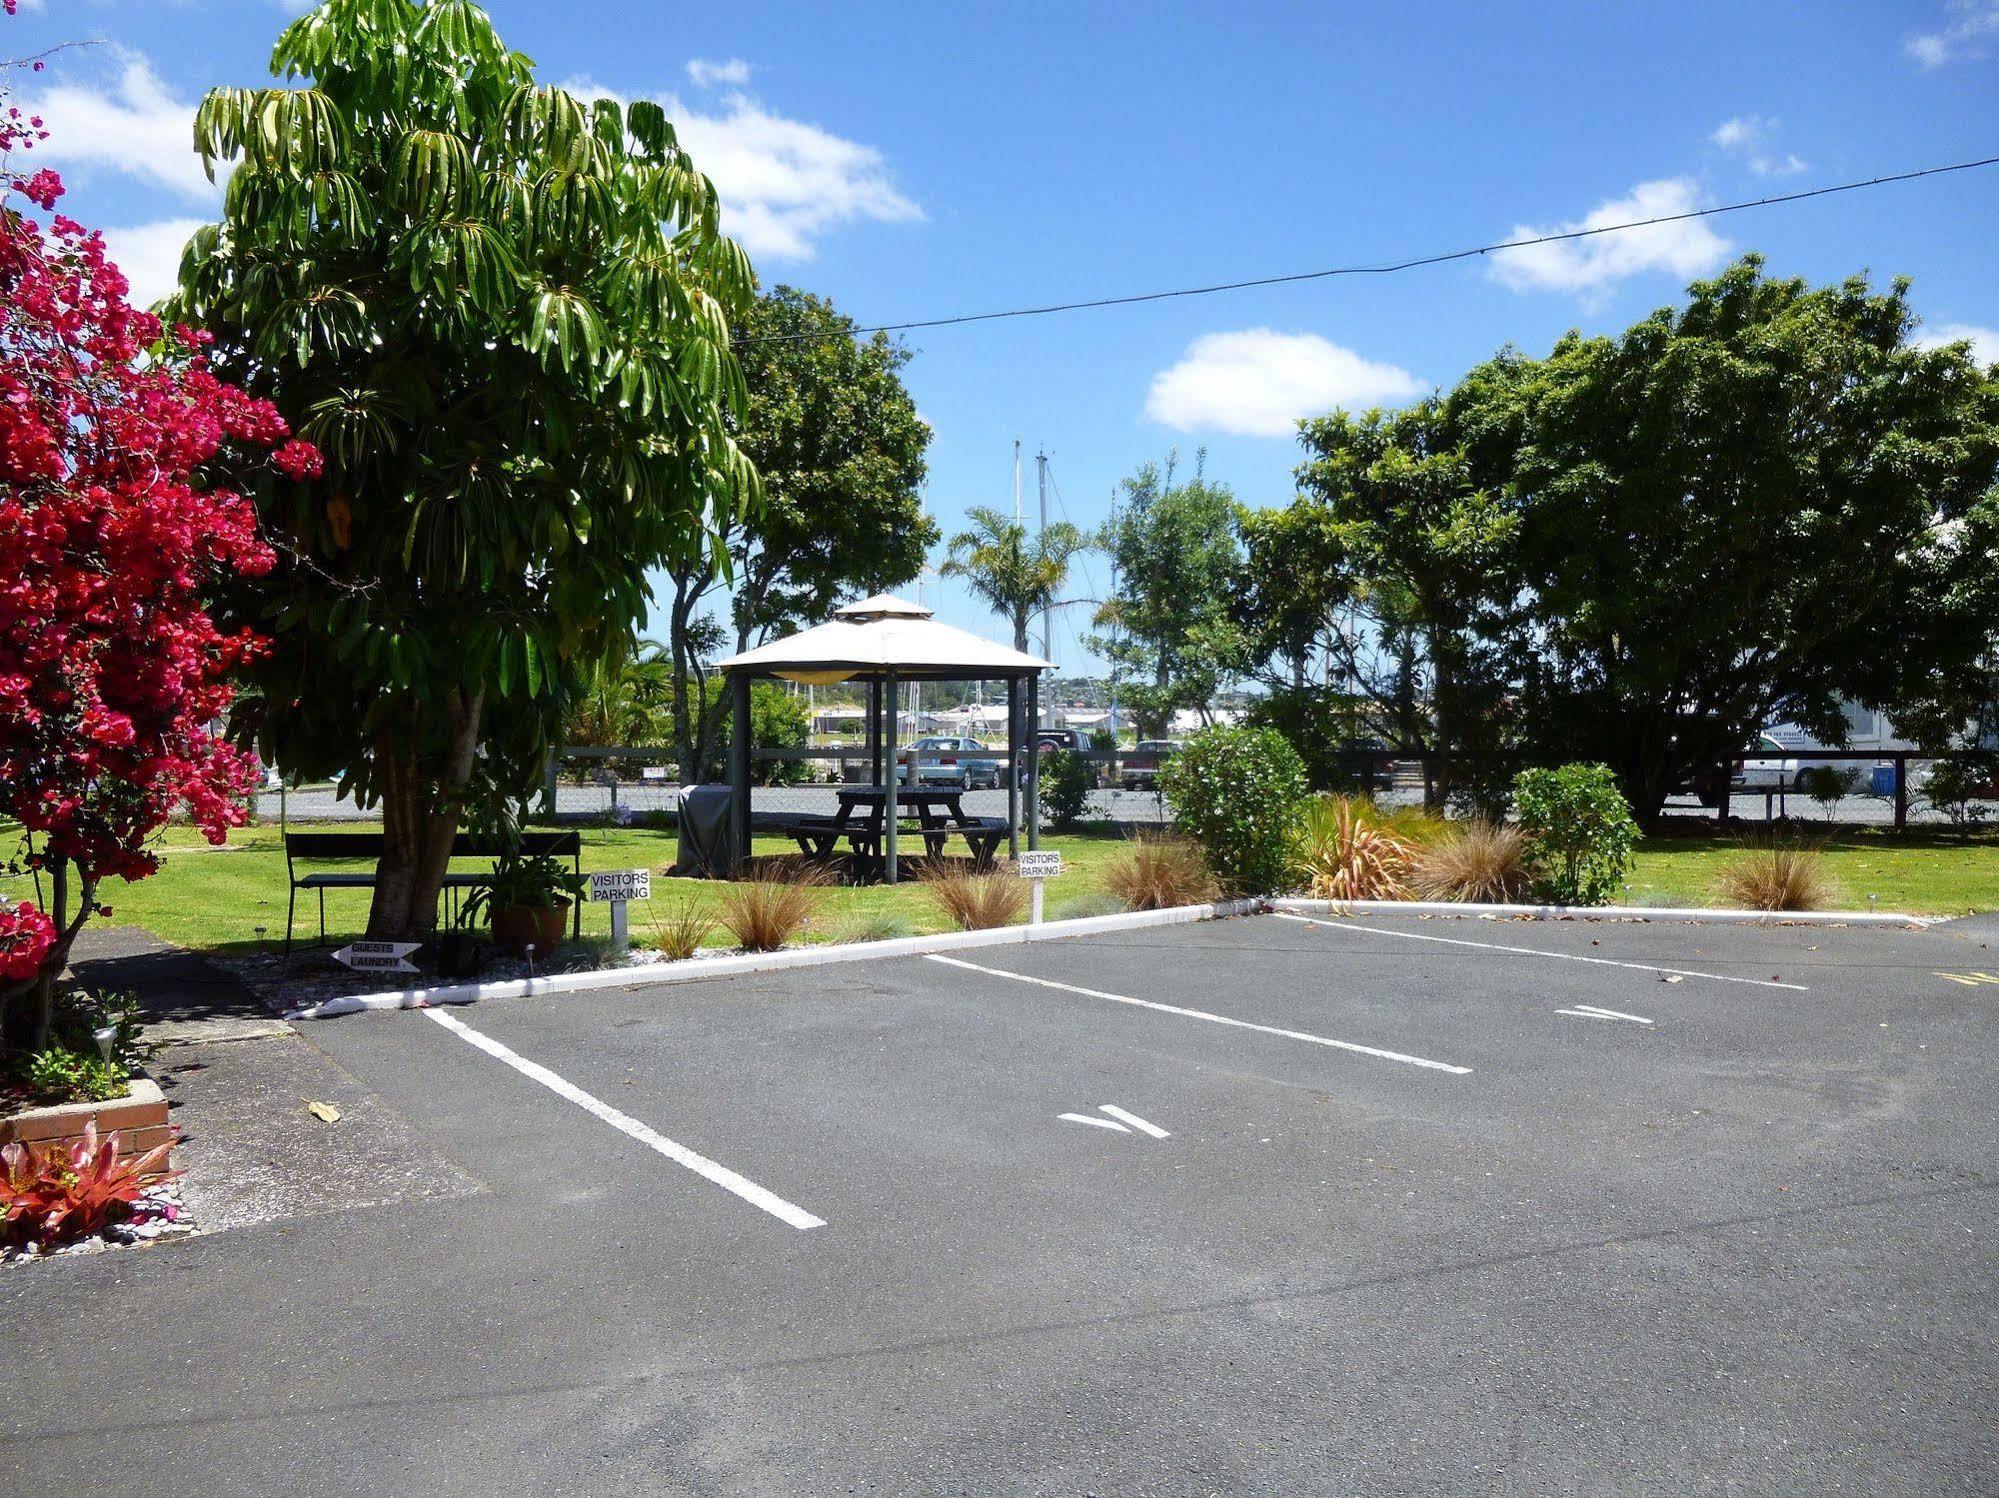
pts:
pixel 1066 782
pixel 1239 793
pixel 1103 740
pixel 1579 832
pixel 1827 784
pixel 1955 787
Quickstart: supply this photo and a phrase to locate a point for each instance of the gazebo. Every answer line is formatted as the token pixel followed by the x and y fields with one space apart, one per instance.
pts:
pixel 883 642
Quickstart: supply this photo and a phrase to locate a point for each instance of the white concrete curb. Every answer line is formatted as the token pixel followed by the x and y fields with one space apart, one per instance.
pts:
pixel 1660 913
pixel 697 969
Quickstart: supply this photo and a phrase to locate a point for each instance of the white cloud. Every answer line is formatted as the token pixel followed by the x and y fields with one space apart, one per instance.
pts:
pixel 1743 130
pixel 784 182
pixel 1747 134
pixel 706 72
pixel 1976 28
pixel 1685 248
pixel 1984 341
pixel 1259 382
pixel 149 255
pixel 133 127
pixel 1787 165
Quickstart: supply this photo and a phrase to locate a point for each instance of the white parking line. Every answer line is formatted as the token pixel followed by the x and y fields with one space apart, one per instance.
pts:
pixel 1493 946
pixel 1215 1019
pixel 1590 1011
pixel 679 1154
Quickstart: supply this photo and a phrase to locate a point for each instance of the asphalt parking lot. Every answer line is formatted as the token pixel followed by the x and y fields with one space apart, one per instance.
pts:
pixel 1262 1205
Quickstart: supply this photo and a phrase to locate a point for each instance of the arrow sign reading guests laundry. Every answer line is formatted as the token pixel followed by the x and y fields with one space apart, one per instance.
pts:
pixel 1118 1120
pixel 378 956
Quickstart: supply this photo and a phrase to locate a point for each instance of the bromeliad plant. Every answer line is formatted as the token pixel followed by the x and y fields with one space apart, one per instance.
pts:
pixel 56 1193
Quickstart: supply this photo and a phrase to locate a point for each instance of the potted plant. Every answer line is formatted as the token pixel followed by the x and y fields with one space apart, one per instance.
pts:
pixel 527 901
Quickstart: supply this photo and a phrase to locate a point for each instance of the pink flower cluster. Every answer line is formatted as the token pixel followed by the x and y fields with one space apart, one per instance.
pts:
pixel 114 528
pixel 25 938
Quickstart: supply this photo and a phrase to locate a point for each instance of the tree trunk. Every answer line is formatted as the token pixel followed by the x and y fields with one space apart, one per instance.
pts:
pixel 30 1010
pixel 420 813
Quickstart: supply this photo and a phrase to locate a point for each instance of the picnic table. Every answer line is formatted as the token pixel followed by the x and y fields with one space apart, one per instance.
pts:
pixel 939 812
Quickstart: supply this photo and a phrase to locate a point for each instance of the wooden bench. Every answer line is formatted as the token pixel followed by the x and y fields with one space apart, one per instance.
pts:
pixel 323 847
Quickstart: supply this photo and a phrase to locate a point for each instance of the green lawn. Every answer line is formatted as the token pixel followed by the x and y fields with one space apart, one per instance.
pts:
pixel 213 899
pixel 1922 871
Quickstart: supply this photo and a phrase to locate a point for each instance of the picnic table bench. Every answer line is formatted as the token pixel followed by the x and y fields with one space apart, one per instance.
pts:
pixel 939 813
pixel 324 847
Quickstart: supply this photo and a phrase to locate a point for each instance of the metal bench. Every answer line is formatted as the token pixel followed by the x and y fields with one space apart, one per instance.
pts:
pixel 321 847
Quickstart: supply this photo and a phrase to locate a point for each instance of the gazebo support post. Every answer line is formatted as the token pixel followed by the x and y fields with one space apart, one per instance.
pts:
pixel 739 763
pixel 1034 763
pixel 888 785
pixel 1013 767
pixel 874 733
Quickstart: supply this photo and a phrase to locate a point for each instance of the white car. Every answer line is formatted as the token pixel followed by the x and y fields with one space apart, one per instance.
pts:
pixel 1771 770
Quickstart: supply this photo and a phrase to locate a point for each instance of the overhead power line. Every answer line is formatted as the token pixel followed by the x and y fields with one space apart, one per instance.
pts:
pixel 1391 267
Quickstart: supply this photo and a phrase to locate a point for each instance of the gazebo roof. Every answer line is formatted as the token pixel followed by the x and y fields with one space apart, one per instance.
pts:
pixel 879 635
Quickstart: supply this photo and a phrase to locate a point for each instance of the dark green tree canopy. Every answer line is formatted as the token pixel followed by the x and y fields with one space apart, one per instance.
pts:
pixel 503 314
pixel 1744 509
pixel 837 440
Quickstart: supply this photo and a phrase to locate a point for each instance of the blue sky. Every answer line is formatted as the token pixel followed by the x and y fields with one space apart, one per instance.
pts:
pixel 913 161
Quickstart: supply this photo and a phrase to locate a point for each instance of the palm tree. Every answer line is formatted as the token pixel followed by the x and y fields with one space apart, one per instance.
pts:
pixel 1015 577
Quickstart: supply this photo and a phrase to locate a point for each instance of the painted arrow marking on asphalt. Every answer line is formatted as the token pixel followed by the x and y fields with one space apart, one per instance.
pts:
pixel 1591 1011
pixel 1118 1120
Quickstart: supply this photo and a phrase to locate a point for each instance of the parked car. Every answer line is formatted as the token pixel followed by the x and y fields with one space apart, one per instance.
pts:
pixel 1771 770
pixel 1140 769
pixel 947 759
pixel 1047 739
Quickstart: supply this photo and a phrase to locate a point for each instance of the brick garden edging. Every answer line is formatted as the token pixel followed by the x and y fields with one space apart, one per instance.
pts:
pixel 139 1118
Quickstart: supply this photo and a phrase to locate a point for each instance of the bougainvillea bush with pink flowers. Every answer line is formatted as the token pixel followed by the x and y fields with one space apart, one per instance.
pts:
pixel 124 468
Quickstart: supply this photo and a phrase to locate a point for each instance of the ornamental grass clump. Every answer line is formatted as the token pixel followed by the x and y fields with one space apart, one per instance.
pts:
pixel 1777 876
pixel 1152 872
pixel 684 929
pixel 974 902
pixel 769 907
pixel 1341 855
pixel 1479 861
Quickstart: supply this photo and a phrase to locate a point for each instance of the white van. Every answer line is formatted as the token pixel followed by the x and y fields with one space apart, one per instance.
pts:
pixel 1866 731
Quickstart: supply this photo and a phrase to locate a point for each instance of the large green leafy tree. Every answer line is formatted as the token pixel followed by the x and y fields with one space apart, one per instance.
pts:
pixel 503 314
pixel 1167 628
pixel 1393 501
pixel 836 439
pixel 1017 575
pixel 1744 509
pixel 838 442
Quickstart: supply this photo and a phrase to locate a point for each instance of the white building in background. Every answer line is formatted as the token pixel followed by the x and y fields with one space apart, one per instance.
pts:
pixel 1188 720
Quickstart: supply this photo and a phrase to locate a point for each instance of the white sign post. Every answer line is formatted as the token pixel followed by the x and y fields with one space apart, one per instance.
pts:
pixel 1036 867
pixel 617 887
pixel 378 956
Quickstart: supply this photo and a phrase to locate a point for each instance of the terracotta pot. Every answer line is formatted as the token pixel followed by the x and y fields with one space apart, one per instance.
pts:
pixel 516 926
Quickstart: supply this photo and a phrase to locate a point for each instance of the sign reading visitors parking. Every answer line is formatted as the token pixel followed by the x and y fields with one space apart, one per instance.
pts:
pixel 378 956
pixel 1040 865
pixel 653 772
pixel 620 884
